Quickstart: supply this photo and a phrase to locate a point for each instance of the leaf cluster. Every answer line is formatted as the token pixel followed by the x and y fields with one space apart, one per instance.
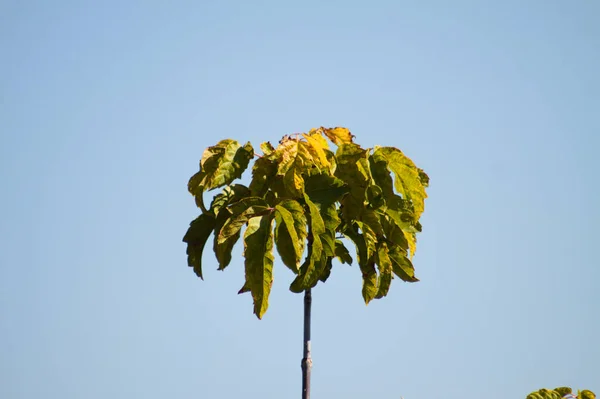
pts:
pixel 305 197
pixel 558 393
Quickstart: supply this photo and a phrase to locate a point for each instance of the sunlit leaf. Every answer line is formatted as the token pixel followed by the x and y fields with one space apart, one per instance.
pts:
pixel 586 394
pixel 221 164
pixel 286 152
pixel 267 148
pixel 318 148
pixel 544 394
pixel 294 182
pixel 411 239
pixel 338 135
pixel 258 253
pixel 407 177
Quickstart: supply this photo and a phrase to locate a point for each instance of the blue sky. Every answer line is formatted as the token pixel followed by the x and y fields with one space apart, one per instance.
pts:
pixel 106 107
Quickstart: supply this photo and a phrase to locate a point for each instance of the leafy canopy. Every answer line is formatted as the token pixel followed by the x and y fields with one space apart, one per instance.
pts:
pixel 558 393
pixel 303 199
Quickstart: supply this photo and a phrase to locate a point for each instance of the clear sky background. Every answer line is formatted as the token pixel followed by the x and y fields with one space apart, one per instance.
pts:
pixel 106 107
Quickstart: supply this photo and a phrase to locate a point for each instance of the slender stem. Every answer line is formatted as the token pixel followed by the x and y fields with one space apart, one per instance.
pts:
pixel 306 360
pixel 200 202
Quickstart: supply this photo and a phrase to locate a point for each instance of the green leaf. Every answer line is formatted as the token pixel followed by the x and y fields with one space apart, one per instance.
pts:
pixel 371 218
pixel 245 288
pixel 196 238
pixel 294 182
pixel 316 260
pixel 220 165
pixel 384 265
pixel 293 160
pixel 401 265
pixel 423 177
pixel 316 220
pixel 365 261
pixel 326 270
pixel 267 148
pixel 230 194
pixel 258 254
pixel 342 253
pixel 408 178
pixel 312 268
pixel 285 244
pixel 369 288
pixel 290 232
pixel 369 236
pixel 399 210
pixel 394 233
pixel 349 156
pixel 286 154
pixel 381 175
pixel 359 242
pixel 263 173
pixel 375 198
pixel 562 391
pixel 241 212
pixel 586 394
pixel 331 221
pixel 325 189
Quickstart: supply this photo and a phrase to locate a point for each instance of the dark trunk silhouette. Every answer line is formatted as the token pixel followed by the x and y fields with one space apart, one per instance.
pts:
pixel 306 360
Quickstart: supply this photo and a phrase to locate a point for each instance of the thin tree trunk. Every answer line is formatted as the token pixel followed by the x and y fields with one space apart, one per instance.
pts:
pixel 307 360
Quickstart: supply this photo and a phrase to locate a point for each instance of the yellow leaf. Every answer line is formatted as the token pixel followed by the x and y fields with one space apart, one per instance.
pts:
pixel 338 135
pixel 412 242
pixel 318 145
pixel 286 153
